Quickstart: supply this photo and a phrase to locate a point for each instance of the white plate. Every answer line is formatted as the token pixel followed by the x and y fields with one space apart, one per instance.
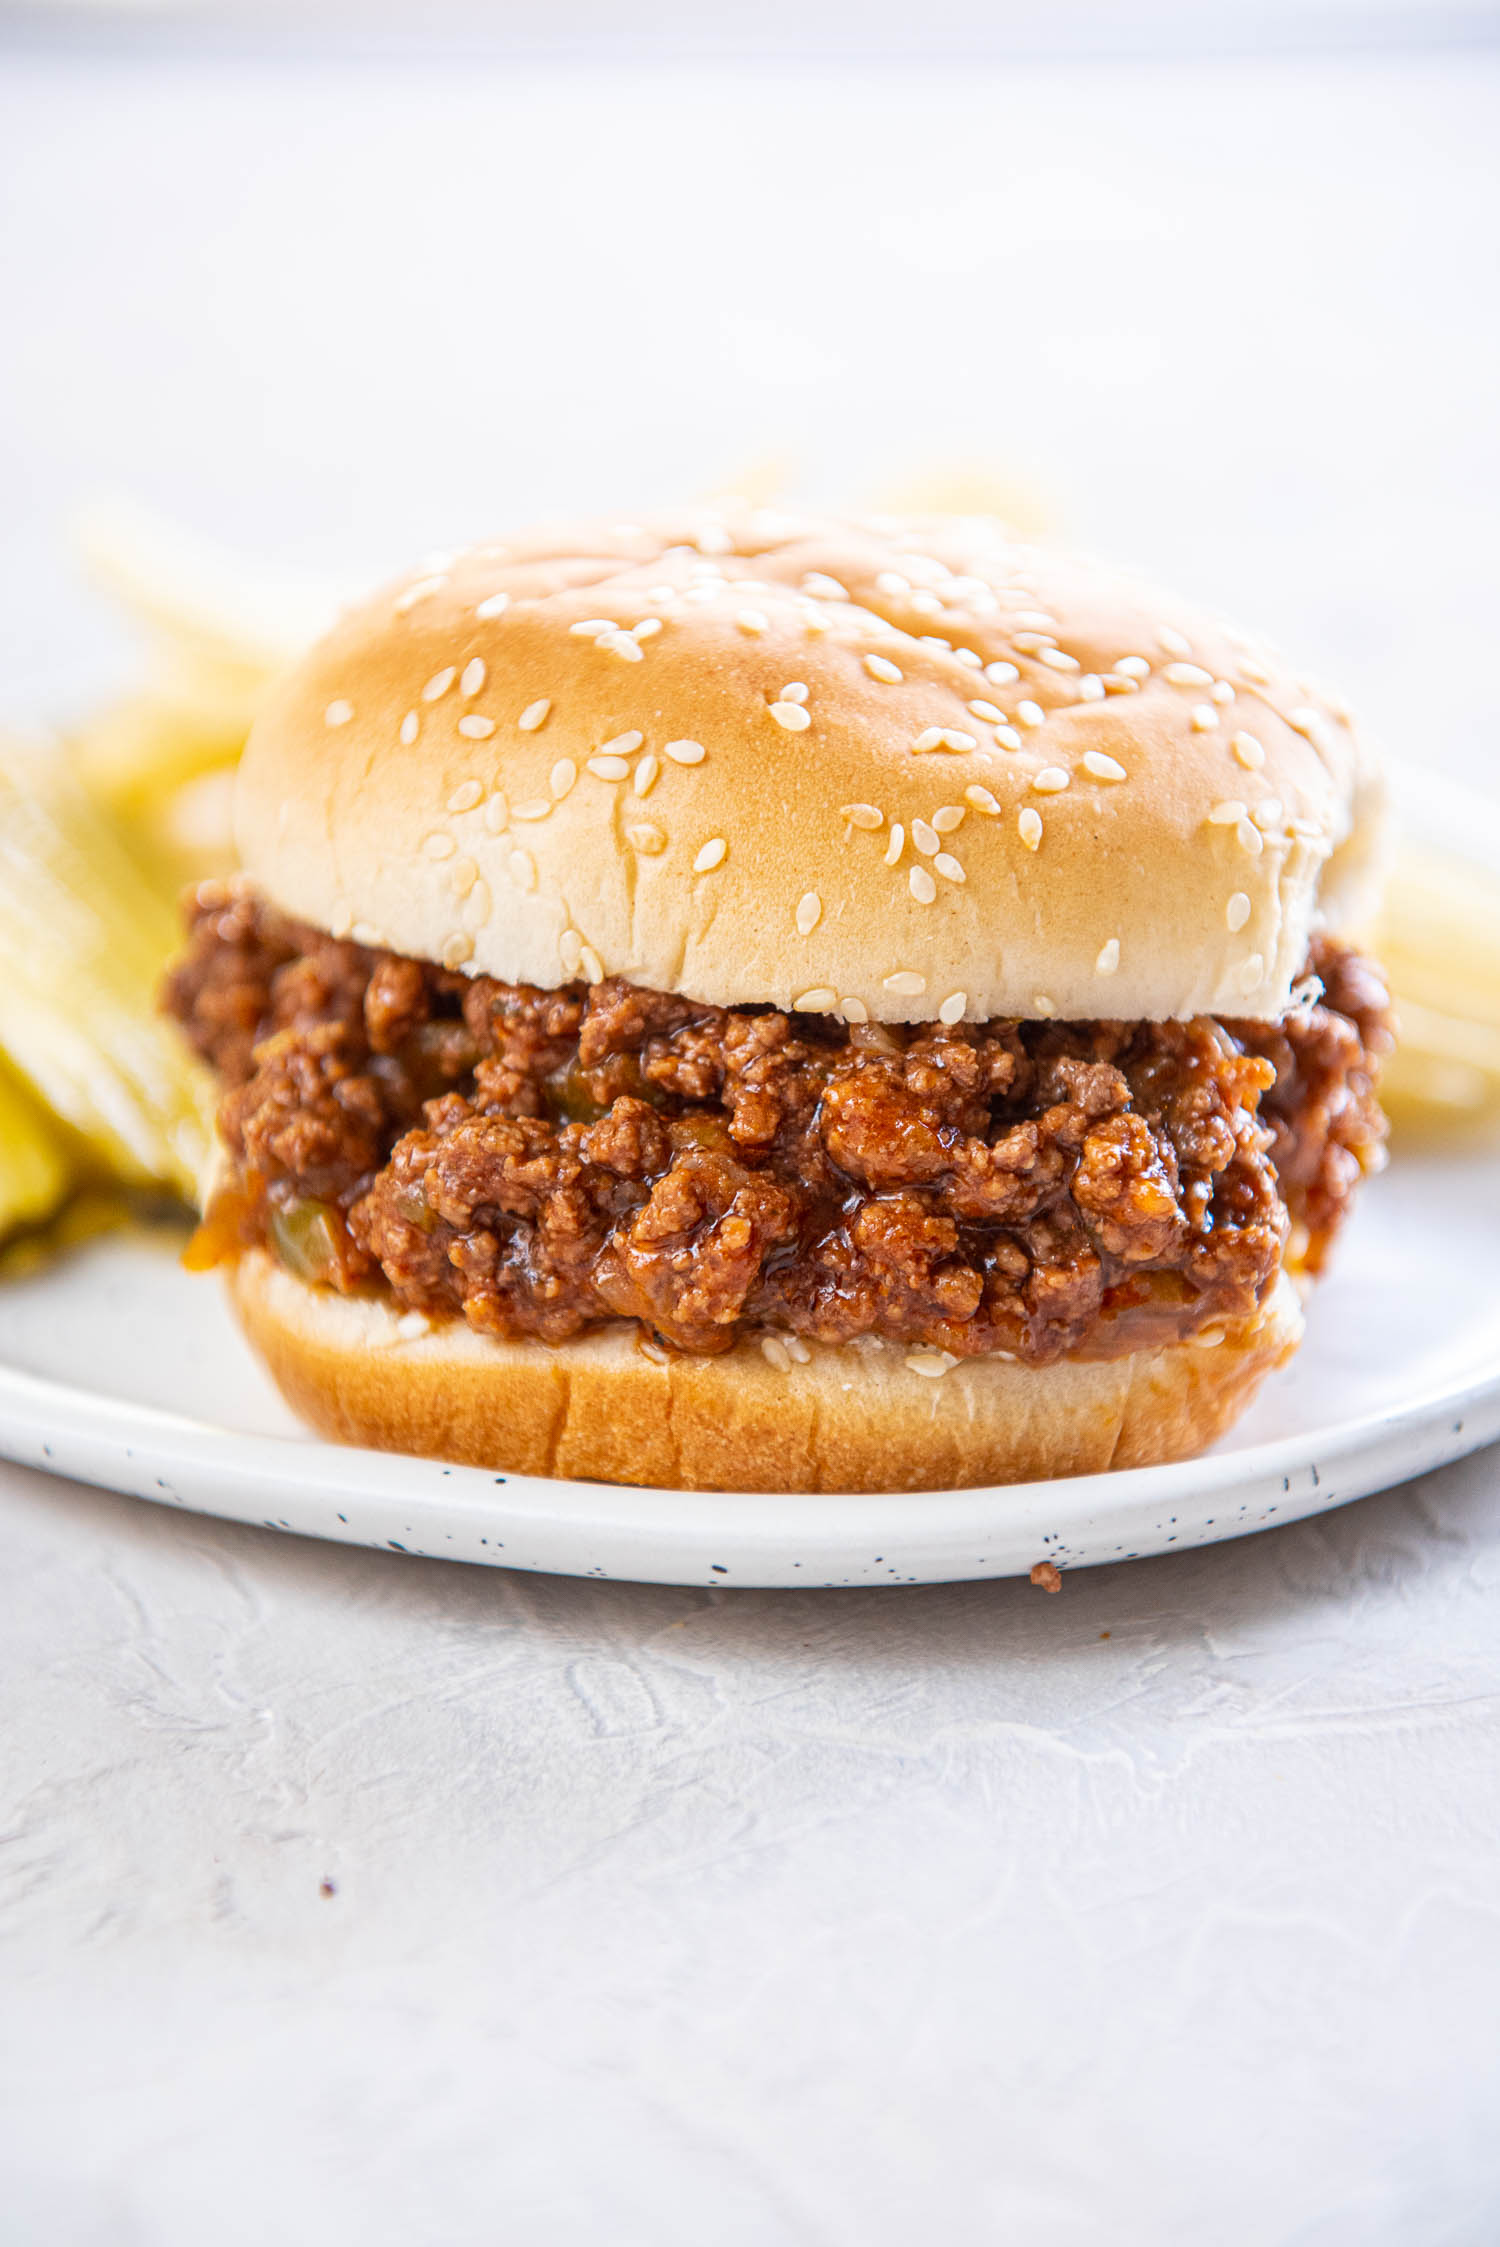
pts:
pixel 118 1368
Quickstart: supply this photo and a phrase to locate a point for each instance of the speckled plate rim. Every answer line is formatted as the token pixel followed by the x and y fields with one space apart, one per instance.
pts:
pixel 442 1512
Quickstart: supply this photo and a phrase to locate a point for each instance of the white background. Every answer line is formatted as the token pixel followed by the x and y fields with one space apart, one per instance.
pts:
pixel 837 1919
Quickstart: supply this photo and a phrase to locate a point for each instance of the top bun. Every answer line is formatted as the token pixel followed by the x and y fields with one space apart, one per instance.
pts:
pixel 897 769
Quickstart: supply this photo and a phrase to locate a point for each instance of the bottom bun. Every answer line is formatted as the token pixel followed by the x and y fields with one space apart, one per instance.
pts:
pixel 853 1418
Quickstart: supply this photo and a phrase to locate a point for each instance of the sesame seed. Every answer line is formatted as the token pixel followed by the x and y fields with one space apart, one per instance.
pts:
pixel 809 913
pixel 1207 1337
pixel 1187 675
pixel 1205 717
pixel 936 640
pixel 921 885
pixel 798 1350
pixel 1254 671
pixel 1223 692
pixel 1033 643
pixel 496 605
pixel 1090 688
pixel 475 728
pixel 622 644
pixel 855 1010
pixel 1248 751
pixel 456 950
pixel 474 674
pixel 535 807
pixel 818 1001
pixel 497 814
pixel 925 837
pixel 522 869
pixel 409 728
pixel 592 965
pixel 1058 659
pixel 1118 682
pixel 896 844
pixel 647 629
pixel 365 932
pixel 947 865
pixel 891 583
pixel 1109 957
pixel 570 949
pixel 881 667
pixel 988 711
pixel 1226 814
pixel 645 838
pixel 932 1364
pixel 1007 737
pixel 949 817
pixel 1029 827
pixel 927 604
pixel 685 752
pixel 534 715
pixel 1237 911
pixel 1175 642
pixel 955 738
pixel 1043 1007
pixel 1051 780
pixel 796 692
pixel 1133 667
pixel 439 846
pixel 645 774
pixel 1250 838
pixel 621 744
pixel 1251 973
pixel 952 1008
pixel 824 588
pixel 562 777
pixel 338 713
pixel 970 658
pixel 1031 713
pixel 713 853
pixel 609 768
pixel 932 738
pixel 439 683
pixel 983 801
pixel 773 1350
pixel 1310 723
pixel 590 627
pixel 466 796
pixel 480 905
pixel 1102 767
pixel 906 983
pixel 1268 813
pixel 863 815
pixel 463 877
pixel 421 590
pixel 752 620
pixel 1038 618
pixel 1001 674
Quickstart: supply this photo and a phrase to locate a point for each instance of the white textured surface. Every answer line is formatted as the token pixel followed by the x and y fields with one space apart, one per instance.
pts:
pixel 666 1916
pixel 844 1920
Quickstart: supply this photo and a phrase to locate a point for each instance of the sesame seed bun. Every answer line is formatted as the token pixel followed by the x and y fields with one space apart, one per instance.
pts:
pixel 896 770
pixel 876 1417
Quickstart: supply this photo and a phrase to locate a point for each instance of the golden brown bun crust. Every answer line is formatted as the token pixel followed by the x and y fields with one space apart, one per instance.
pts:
pixel 484 764
pixel 601 1410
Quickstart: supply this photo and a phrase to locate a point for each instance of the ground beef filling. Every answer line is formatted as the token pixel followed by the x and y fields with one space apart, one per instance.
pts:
pixel 544 1161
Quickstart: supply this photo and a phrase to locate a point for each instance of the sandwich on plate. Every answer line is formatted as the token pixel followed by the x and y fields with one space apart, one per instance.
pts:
pixel 743 1001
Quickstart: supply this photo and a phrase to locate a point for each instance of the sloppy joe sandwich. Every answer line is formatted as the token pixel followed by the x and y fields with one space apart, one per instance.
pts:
pixel 763 1003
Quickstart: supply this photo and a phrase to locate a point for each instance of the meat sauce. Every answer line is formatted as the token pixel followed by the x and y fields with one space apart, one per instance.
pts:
pixel 541 1162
